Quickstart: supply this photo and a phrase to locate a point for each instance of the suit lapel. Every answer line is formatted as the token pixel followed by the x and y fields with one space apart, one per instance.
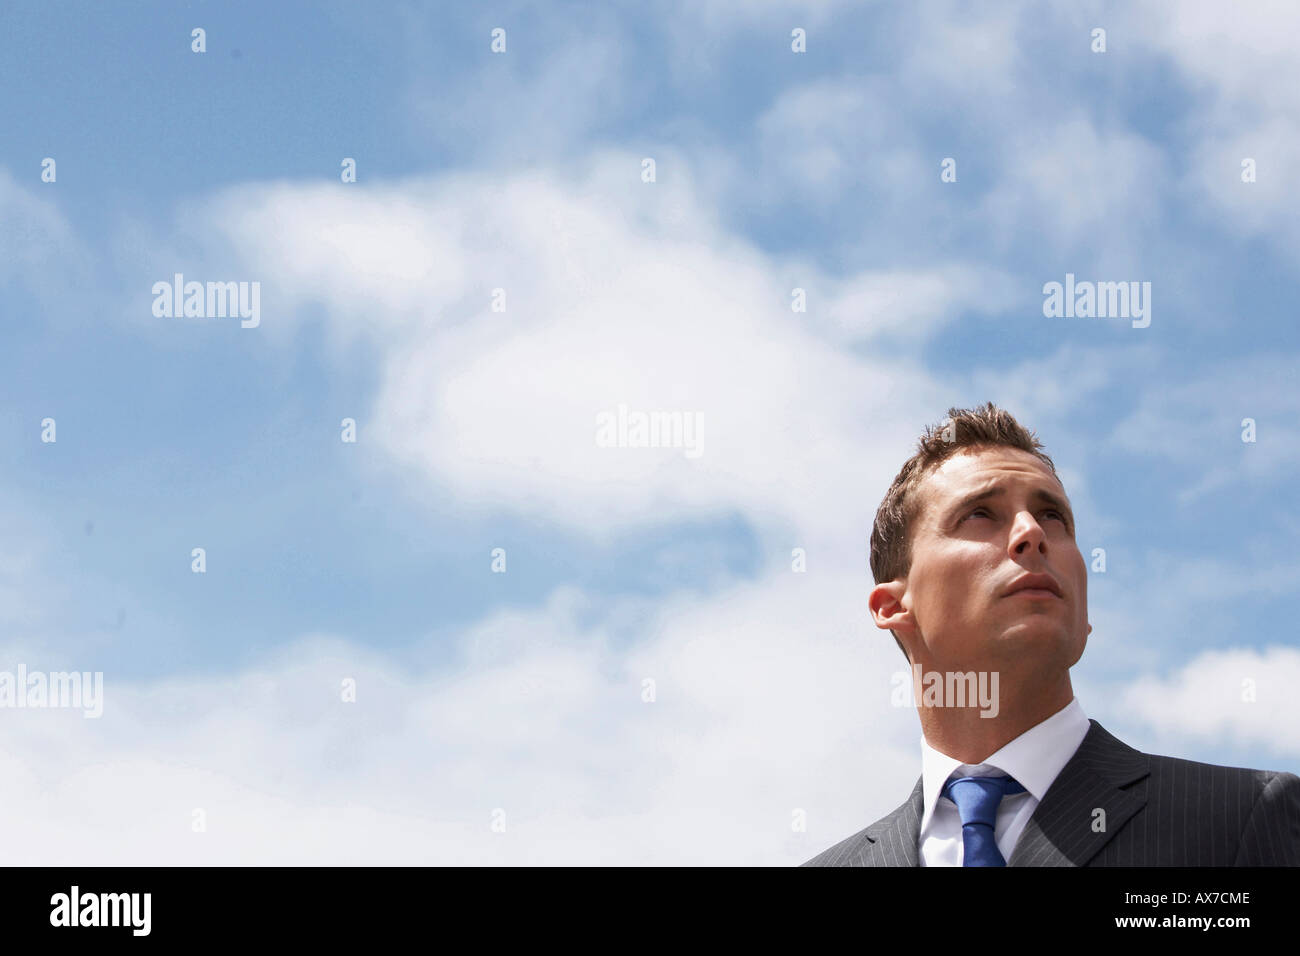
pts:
pixel 893 841
pixel 1064 830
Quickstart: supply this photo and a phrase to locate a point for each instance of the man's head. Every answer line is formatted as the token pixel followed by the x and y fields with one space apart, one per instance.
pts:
pixel 975 510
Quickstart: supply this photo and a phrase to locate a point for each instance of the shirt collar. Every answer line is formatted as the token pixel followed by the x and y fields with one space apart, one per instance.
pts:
pixel 1034 759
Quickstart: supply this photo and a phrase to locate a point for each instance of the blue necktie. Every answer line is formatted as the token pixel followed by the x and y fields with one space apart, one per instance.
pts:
pixel 977 800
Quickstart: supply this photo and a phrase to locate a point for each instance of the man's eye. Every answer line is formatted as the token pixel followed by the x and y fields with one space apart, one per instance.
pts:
pixel 988 514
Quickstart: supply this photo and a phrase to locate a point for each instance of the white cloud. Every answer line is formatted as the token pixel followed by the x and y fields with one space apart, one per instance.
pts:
pixel 767 701
pixel 38 246
pixel 832 138
pixel 1062 185
pixel 1208 699
pixel 617 292
pixel 913 305
pixel 1243 71
pixel 1239 59
pixel 959 52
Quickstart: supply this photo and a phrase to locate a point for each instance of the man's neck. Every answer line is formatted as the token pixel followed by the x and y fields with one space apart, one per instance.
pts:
pixel 961 733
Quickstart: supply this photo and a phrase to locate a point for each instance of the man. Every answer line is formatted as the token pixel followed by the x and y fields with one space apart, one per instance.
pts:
pixel 980 579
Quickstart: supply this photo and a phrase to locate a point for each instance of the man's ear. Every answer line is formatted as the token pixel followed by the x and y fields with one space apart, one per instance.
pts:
pixel 886 603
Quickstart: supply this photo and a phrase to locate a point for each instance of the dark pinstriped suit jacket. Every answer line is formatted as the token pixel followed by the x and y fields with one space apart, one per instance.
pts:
pixel 1160 811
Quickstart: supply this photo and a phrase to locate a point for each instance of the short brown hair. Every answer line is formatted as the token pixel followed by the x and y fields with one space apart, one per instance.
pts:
pixel 891 536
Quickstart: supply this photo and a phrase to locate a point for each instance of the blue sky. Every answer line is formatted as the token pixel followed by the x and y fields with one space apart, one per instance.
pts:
pixel 522 171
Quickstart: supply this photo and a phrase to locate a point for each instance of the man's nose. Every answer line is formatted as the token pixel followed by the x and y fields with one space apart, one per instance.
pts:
pixel 1027 534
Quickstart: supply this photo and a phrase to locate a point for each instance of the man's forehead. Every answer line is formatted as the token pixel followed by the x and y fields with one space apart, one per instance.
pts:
pixel 971 469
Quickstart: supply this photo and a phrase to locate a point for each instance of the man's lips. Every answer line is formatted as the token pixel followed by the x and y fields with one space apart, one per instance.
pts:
pixel 1034 585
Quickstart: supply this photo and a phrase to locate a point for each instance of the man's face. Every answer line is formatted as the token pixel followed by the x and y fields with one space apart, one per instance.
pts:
pixel 969 550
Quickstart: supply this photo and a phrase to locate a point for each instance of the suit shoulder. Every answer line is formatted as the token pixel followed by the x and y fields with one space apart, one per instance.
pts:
pixel 1194 772
pixel 858 849
pixel 848 849
pixel 1237 791
pixel 1252 816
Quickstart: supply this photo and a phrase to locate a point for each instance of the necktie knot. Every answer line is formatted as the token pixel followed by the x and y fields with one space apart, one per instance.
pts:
pixel 977 800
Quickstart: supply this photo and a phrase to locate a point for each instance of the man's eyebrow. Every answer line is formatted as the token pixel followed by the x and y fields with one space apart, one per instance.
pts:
pixel 993 491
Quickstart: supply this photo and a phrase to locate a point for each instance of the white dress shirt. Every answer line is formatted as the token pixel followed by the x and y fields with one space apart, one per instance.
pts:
pixel 1034 759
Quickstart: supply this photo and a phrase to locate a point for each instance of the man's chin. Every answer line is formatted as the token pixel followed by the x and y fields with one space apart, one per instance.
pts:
pixel 1023 644
pixel 1036 638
